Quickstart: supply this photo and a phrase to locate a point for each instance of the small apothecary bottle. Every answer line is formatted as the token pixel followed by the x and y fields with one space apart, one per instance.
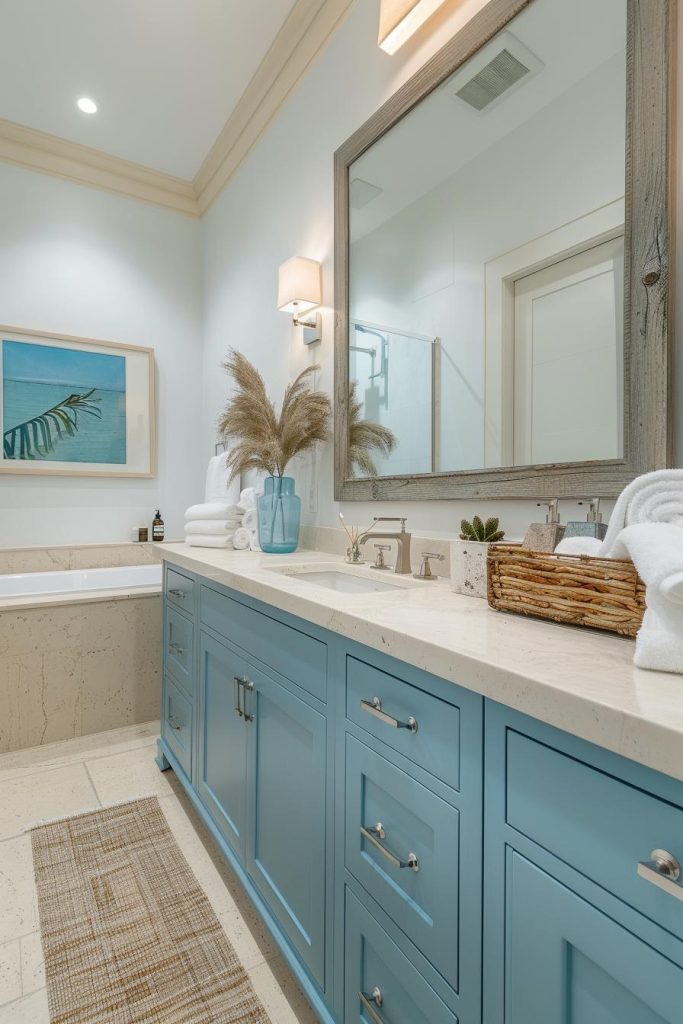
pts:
pixel 157 527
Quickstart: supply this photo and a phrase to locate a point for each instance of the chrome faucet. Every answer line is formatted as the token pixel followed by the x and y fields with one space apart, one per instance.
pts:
pixel 402 539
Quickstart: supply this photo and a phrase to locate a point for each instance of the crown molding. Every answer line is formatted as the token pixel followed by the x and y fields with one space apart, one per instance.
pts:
pixel 63 159
pixel 303 35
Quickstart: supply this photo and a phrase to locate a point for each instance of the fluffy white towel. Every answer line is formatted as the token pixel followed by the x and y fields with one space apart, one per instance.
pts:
pixel 248 498
pixel 215 527
pixel 579 546
pixel 203 540
pixel 211 510
pixel 242 539
pixel 652 498
pixel 250 519
pixel 217 487
pixel 255 546
pixel 657 553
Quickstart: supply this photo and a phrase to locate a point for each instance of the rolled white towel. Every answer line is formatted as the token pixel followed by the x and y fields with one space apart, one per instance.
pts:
pixel 216 527
pixel 248 498
pixel 211 510
pixel 250 519
pixel 657 553
pixel 204 540
pixel 217 487
pixel 651 498
pixel 241 540
pixel 255 546
pixel 579 546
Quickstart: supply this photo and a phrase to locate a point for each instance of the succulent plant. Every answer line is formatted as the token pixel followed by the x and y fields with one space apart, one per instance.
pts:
pixel 485 533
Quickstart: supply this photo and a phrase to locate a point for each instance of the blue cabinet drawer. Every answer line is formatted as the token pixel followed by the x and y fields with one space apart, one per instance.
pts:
pixel 179 590
pixel 179 649
pixel 402 844
pixel 176 724
pixel 292 654
pixel 598 824
pixel 567 961
pixel 428 729
pixel 379 976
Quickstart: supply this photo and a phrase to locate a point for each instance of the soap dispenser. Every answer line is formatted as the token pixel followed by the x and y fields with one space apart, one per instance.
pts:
pixel 593 527
pixel 545 536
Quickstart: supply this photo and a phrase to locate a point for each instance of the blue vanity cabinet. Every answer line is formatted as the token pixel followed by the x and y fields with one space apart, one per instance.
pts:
pixel 573 930
pixel 221 772
pixel 286 812
pixel 178 690
pixel 568 961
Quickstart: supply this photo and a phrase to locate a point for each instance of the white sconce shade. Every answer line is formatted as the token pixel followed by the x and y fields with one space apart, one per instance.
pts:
pixel 300 285
pixel 400 19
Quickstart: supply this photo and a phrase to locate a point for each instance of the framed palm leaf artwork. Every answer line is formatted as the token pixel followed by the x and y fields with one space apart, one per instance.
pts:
pixel 74 406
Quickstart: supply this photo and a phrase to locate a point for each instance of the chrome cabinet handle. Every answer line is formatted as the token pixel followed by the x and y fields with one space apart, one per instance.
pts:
pixel 177 592
pixel 240 687
pixel 236 689
pixel 176 649
pixel 664 871
pixel 247 687
pixel 174 723
pixel 374 834
pixel 370 1004
pixel 374 707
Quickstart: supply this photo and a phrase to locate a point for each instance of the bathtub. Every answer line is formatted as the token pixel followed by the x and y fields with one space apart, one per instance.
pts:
pixel 79 581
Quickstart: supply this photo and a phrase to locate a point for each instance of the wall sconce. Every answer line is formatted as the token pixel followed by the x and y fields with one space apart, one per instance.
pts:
pixel 400 19
pixel 301 290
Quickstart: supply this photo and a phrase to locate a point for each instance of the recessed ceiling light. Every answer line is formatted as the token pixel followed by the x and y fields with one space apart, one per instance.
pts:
pixel 86 105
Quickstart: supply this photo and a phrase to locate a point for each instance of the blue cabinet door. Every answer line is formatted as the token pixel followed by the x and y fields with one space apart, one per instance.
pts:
pixel 566 961
pixel 286 813
pixel 222 740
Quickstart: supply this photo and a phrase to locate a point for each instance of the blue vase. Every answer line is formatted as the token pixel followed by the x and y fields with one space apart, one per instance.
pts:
pixel 279 516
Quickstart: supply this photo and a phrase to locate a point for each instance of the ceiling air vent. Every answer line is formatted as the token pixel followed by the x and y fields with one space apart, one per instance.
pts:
pixel 499 75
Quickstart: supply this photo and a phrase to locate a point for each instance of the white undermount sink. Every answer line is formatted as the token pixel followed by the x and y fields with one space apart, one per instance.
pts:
pixel 344 579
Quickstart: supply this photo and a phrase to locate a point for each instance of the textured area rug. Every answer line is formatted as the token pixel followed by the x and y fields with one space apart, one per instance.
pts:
pixel 128 935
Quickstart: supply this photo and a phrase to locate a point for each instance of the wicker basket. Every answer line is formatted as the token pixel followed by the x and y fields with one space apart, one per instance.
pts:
pixel 599 593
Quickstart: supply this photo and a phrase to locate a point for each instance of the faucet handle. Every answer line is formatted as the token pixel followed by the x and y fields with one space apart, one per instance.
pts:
pixel 425 572
pixel 380 562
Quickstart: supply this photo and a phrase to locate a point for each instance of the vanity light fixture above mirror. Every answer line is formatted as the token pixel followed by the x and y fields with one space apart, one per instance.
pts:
pixel 399 20
pixel 300 290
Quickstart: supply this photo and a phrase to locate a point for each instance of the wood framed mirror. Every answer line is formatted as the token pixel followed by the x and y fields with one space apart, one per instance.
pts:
pixel 503 252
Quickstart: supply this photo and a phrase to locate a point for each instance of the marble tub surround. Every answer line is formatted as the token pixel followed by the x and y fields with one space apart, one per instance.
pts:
pixel 85 556
pixel 582 682
pixel 70 669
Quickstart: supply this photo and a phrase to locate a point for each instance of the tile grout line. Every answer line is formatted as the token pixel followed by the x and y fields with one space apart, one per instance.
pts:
pixel 92 784
pixel 68 762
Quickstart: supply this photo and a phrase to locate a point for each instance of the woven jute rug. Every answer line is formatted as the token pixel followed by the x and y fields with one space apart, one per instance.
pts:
pixel 128 935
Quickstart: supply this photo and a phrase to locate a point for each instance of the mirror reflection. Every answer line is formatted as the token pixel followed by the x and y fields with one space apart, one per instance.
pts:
pixel 486 256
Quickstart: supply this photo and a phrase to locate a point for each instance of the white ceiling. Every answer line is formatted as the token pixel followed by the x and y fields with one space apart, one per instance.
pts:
pixel 166 73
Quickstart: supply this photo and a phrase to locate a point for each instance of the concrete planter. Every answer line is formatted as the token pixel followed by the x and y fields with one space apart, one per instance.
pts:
pixel 468 567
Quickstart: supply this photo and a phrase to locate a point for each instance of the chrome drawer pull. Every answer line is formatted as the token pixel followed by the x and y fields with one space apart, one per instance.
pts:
pixel 176 592
pixel 247 687
pixel 241 686
pixel 176 649
pixel 374 707
pixel 374 834
pixel 174 723
pixel 370 1004
pixel 664 871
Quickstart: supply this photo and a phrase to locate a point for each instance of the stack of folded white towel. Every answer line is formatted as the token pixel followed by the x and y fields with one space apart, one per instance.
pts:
pixel 227 516
pixel 647 527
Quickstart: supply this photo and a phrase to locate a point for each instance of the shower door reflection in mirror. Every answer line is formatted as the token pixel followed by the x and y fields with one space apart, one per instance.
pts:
pixel 486 256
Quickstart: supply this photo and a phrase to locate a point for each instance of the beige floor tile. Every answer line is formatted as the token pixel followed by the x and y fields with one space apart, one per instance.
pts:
pixel 18 904
pixel 128 776
pixel 31 1009
pixel 249 936
pixel 281 996
pixel 32 798
pixel 10 971
pixel 32 963
pixel 83 748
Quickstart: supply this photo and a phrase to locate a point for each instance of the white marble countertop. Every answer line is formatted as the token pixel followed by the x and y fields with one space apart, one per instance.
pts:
pixel 581 681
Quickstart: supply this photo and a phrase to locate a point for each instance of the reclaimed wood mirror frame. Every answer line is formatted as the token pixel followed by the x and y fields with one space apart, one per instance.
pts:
pixel 648 301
